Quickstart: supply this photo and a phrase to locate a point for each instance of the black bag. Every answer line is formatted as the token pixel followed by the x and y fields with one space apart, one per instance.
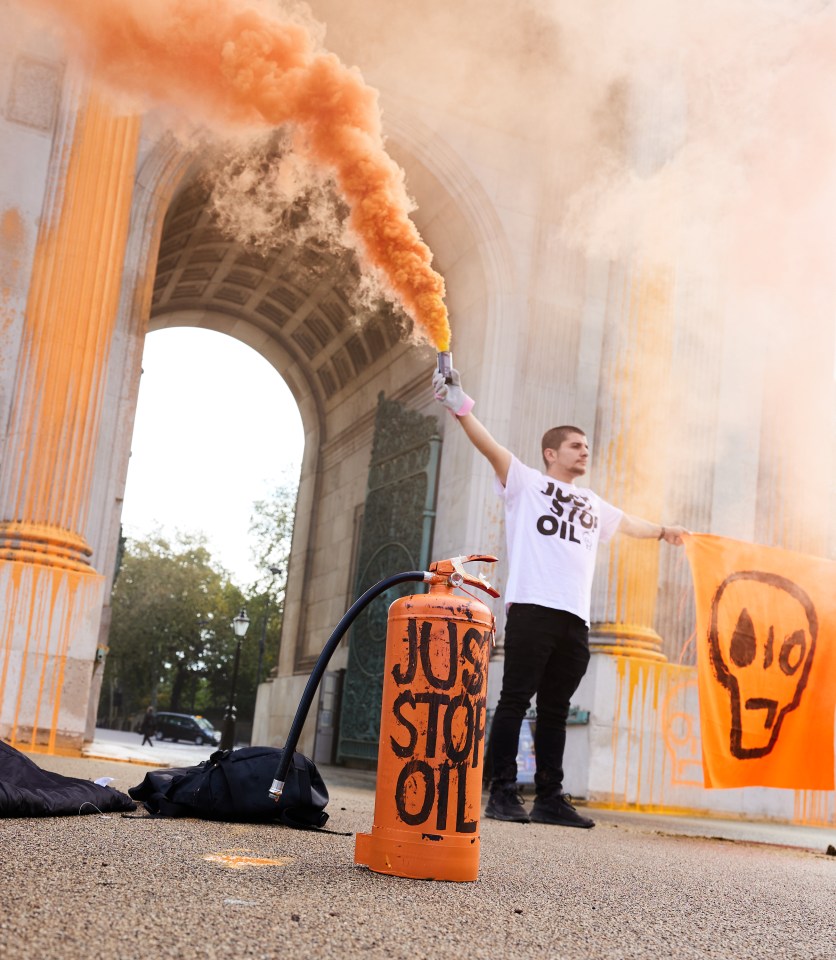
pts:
pixel 233 785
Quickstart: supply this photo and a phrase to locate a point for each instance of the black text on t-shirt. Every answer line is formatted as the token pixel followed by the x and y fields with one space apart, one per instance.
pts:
pixel 571 516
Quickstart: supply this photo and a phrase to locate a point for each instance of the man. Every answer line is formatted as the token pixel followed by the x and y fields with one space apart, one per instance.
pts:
pixel 148 727
pixel 553 529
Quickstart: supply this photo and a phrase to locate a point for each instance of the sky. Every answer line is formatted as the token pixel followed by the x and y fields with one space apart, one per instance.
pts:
pixel 216 429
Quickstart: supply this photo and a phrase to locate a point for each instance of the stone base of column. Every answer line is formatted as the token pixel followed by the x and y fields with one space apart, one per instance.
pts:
pixel 626 640
pixel 44 544
pixel 641 748
pixel 48 644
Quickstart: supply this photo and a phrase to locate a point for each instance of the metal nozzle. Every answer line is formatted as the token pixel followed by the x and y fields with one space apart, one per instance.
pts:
pixel 275 791
pixel 445 365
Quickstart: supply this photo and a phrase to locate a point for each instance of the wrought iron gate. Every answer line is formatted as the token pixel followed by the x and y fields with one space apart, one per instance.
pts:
pixel 396 535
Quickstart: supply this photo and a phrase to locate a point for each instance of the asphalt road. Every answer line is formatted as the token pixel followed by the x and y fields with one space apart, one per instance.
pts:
pixel 633 887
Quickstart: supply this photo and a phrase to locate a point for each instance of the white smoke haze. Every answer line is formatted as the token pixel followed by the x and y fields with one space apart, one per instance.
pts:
pixel 573 78
pixel 298 12
pixel 698 137
pixel 660 115
pixel 694 137
pixel 265 194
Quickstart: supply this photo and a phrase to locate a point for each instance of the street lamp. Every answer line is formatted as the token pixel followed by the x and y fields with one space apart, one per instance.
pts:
pixel 239 625
pixel 262 643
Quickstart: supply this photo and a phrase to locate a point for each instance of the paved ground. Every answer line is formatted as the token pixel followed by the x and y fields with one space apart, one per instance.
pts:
pixel 633 887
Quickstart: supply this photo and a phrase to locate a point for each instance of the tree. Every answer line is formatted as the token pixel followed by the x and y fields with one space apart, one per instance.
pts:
pixel 171 639
pixel 170 629
pixel 272 526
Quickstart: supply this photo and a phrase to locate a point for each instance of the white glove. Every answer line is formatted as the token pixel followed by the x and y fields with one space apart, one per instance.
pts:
pixel 451 395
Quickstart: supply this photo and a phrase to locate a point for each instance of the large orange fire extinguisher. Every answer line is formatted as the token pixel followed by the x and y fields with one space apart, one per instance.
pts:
pixel 432 731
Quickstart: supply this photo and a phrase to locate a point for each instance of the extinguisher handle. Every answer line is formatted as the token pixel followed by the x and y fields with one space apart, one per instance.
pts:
pixel 452 570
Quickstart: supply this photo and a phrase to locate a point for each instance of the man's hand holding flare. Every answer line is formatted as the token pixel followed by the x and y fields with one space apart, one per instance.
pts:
pixel 451 394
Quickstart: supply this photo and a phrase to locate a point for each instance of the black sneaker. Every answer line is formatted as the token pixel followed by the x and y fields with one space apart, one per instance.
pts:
pixel 505 803
pixel 558 809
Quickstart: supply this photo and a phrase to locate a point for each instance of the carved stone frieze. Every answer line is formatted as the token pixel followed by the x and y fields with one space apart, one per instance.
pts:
pixel 34 92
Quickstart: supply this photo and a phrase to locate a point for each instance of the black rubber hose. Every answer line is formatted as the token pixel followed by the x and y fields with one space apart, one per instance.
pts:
pixel 319 668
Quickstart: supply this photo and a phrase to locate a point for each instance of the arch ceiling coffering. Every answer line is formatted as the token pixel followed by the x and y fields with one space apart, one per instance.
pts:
pixel 298 293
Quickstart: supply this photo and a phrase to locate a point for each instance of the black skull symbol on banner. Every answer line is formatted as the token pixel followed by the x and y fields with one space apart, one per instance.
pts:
pixel 762 642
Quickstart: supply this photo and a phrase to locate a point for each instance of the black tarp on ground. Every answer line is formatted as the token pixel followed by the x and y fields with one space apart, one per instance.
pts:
pixel 28 791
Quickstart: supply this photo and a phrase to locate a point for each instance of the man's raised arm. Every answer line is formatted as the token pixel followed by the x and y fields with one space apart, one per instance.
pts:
pixel 460 404
pixel 648 530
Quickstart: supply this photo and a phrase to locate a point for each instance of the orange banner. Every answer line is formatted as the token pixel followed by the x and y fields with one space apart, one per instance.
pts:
pixel 766 663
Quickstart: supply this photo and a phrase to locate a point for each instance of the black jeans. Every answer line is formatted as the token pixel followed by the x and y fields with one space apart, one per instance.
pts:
pixel 546 653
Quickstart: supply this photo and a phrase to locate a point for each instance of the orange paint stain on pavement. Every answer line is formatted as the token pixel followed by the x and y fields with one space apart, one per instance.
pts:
pixel 239 861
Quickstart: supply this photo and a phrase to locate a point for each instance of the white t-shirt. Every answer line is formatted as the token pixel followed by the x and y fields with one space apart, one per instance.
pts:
pixel 552 529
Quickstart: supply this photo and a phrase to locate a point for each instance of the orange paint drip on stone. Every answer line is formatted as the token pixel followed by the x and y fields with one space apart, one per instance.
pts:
pixel 232 64
pixel 10 605
pixel 621 668
pixel 56 414
pixel 636 683
pixel 815 808
pixel 24 660
pixel 12 240
pixel 44 609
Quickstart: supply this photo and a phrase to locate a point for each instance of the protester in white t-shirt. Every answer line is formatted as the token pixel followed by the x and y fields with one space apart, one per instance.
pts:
pixel 553 528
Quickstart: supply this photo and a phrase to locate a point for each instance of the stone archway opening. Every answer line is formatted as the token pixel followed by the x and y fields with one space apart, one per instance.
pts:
pixel 295 305
pixel 216 430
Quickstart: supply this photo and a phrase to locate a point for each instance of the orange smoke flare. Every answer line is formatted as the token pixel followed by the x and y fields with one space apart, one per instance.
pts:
pixel 232 62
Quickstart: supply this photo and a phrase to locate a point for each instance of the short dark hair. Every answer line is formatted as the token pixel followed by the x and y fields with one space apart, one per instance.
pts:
pixel 553 438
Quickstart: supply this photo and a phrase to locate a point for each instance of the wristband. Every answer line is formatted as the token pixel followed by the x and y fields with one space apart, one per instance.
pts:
pixel 467 405
pixel 662 534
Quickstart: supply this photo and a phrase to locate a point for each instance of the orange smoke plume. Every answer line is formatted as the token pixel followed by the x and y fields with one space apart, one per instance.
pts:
pixel 235 63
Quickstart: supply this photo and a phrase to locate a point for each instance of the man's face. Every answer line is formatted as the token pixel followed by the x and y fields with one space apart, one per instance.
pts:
pixel 570 459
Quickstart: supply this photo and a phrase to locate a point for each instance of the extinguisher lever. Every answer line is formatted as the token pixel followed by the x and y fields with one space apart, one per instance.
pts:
pixel 454 572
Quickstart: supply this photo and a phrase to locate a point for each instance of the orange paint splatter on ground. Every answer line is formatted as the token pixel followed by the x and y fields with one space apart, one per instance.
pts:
pixel 238 861
pixel 230 63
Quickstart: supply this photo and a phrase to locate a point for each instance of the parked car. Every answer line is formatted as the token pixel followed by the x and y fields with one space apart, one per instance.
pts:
pixel 186 726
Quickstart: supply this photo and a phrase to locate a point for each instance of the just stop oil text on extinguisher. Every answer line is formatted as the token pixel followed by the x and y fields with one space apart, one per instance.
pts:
pixel 432 731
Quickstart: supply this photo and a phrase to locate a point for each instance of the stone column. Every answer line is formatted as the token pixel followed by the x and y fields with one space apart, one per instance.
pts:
pixel 50 592
pixel 630 455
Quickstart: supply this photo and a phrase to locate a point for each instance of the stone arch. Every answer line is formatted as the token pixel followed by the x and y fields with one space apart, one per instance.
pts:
pixel 181 272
